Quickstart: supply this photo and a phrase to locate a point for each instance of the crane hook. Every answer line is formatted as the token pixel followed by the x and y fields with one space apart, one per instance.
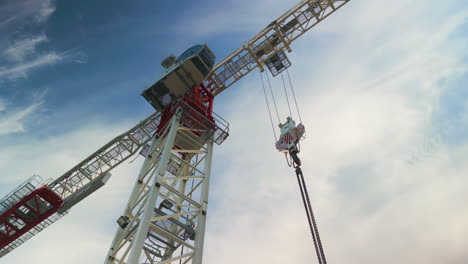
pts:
pixel 289 139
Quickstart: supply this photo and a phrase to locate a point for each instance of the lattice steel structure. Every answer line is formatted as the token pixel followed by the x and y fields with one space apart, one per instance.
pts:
pixel 25 212
pixel 275 38
pixel 105 159
pixel 165 217
pixel 77 180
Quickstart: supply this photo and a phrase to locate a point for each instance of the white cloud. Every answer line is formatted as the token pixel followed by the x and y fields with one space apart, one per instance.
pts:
pixel 25 11
pixel 44 11
pixel 20 49
pixel 21 70
pixel 2 105
pixel 231 17
pixel 15 121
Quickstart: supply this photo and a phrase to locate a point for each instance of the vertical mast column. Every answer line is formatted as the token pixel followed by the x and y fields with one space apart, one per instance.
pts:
pixel 142 230
pixel 200 230
pixel 165 218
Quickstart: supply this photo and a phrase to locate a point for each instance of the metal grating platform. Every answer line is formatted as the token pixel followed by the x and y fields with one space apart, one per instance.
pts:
pixel 12 199
pixel 216 130
pixel 19 193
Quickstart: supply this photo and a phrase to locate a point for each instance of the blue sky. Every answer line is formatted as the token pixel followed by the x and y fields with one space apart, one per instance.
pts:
pixel 382 90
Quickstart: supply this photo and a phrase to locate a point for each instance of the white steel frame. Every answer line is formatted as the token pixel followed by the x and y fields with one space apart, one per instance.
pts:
pixel 166 214
pixel 105 159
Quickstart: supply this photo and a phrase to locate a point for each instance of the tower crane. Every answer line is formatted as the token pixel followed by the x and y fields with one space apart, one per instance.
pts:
pixel 165 218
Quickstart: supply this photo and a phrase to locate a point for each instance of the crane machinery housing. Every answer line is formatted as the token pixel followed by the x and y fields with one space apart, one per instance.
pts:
pixel 165 218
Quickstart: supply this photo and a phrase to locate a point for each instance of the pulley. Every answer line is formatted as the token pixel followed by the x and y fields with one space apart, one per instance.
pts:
pixel 288 141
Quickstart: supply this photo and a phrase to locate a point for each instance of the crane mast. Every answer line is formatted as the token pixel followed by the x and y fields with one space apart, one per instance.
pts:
pixel 165 218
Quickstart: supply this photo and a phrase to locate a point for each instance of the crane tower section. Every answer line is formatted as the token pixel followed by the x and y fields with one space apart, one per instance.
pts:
pixel 165 218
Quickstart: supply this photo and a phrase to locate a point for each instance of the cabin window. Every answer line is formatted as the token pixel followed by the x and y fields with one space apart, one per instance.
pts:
pixel 207 58
pixel 200 66
pixel 158 96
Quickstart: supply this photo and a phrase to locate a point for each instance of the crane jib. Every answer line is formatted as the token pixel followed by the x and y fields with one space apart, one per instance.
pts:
pixel 276 37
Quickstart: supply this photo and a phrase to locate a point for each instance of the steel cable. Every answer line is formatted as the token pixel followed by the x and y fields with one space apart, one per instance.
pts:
pixel 310 217
pixel 314 223
pixel 294 96
pixel 274 101
pixel 268 106
pixel 309 220
pixel 286 93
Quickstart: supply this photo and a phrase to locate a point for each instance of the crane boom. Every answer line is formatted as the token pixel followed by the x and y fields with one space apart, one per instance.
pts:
pixel 276 37
pixel 74 185
pixel 105 159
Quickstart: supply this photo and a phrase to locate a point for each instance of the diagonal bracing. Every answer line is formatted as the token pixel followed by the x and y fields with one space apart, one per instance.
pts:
pixel 164 220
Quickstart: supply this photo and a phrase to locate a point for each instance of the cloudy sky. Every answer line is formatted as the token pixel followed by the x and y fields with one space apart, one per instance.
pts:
pixel 382 88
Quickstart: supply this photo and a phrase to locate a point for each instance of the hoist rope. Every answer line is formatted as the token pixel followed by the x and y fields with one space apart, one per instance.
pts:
pixel 286 93
pixel 310 217
pixel 268 106
pixel 273 96
pixel 294 96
